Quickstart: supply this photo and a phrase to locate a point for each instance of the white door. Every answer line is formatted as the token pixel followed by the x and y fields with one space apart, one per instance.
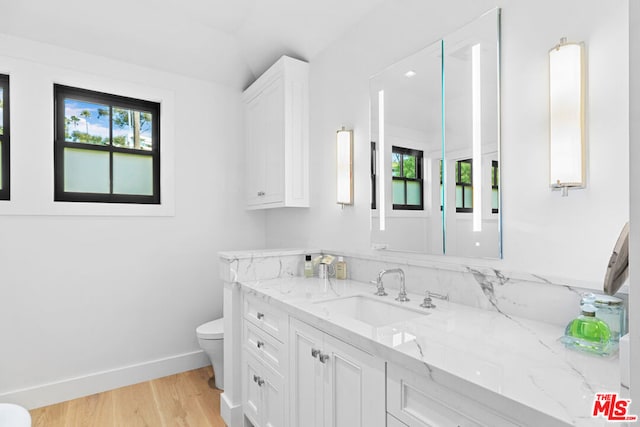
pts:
pixel 306 390
pixel 274 143
pixel 354 386
pixel 256 165
pixel 272 399
pixel 252 396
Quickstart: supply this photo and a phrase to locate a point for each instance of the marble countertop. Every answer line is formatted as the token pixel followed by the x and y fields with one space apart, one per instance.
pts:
pixel 517 358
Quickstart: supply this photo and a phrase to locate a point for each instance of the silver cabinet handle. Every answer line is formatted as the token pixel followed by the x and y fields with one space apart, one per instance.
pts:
pixel 261 193
pixel 324 357
pixel 259 315
pixel 258 380
pixel 315 352
pixel 259 344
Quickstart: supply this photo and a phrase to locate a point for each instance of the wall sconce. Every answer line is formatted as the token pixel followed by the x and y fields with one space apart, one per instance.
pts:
pixel 344 177
pixel 566 116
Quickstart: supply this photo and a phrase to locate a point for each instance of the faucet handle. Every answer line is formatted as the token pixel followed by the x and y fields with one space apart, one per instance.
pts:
pixel 380 292
pixel 427 303
pixel 439 296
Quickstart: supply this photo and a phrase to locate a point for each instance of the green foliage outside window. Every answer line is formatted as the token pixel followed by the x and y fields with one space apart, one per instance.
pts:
pixel 406 172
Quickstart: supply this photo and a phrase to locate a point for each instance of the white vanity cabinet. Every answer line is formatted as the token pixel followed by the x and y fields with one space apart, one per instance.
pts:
pixel 332 383
pixel 277 136
pixel 263 391
pixel 264 361
pixel 417 400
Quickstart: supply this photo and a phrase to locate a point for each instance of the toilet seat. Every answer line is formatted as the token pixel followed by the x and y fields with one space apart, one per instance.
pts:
pixel 213 330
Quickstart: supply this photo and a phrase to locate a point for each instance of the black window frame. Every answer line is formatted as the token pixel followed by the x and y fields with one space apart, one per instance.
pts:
pixel 61 93
pixel 419 155
pixel 460 183
pixel 373 176
pixel 5 192
pixel 495 178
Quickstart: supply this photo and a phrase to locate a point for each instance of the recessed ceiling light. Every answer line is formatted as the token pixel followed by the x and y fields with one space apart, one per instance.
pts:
pixel 410 73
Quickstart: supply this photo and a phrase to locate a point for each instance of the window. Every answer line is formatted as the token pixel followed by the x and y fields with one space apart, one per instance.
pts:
pixel 464 186
pixel 5 175
pixel 373 174
pixel 495 179
pixel 441 187
pixel 406 172
pixel 107 147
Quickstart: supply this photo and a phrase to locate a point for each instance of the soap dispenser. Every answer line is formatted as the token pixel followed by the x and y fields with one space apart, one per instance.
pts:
pixel 588 333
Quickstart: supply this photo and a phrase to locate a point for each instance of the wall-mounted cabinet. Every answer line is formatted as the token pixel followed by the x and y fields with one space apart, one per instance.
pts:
pixel 277 136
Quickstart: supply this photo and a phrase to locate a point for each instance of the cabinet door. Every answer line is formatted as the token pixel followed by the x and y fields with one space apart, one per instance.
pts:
pixel 354 386
pixel 265 146
pixel 306 374
pixel 252 396
pixel 263 401
pixel 272 389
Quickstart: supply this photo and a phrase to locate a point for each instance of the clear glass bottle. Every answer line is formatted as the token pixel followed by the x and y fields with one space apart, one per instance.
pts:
pixel 588 333
pixel 341 269
pixel 611 310
pixel 308 266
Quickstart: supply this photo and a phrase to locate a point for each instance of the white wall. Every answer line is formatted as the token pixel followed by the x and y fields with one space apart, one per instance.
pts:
pixel 543 232
pixel 114 297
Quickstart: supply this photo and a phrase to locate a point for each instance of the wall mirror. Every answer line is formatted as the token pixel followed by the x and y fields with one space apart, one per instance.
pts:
pixel 435 145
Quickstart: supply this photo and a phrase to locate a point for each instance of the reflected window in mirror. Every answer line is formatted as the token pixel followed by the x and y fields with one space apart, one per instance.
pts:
pixel 495 179
pixel 464 185
pixel 441 188
pixel 406 172
pixel 373 175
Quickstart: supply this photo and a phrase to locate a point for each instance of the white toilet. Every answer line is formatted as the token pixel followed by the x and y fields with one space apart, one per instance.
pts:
pixel 211 340
pixel 14 416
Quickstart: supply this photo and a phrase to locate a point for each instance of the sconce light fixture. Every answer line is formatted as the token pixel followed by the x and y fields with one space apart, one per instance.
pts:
pixel 567 84
pixel 344 177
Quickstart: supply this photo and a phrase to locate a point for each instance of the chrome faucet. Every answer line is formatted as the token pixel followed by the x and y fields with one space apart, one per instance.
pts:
pixel 402 296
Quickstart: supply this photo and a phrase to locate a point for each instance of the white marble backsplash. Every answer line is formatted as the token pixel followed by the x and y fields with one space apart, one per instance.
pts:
pixel 511 294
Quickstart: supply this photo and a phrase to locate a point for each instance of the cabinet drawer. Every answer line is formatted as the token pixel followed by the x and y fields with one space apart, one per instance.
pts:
pixel 418 400
pixel 264 347
pixel 270 320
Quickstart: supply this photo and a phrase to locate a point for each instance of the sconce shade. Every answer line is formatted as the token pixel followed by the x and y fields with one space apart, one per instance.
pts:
pixel 344 160
pixel 566 115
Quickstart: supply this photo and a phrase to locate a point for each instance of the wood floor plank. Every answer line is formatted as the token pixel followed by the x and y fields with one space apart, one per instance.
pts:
pixel 206 399
pixel 135 407
pixel 50 416
pixel 96 410
pixel 182 400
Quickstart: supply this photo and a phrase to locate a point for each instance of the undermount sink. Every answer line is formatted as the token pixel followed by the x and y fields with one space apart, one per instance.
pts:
pixel 370 310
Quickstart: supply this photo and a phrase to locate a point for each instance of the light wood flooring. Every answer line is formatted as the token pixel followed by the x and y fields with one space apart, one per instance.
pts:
pixel 181 400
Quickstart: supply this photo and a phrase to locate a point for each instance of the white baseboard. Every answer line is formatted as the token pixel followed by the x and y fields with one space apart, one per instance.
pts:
pixel 230 413
pixel 85 385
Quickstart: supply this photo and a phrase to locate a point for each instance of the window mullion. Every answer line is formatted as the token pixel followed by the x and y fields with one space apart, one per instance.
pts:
pixel 110 149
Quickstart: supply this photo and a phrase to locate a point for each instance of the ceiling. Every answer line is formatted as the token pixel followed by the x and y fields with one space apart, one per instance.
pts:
pixel 230 42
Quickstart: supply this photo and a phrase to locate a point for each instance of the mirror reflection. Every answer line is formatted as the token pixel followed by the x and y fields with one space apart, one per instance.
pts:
pixel 435 141
pixel 406 134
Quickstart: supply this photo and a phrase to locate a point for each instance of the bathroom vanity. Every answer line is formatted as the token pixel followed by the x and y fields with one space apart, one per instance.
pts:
pixel 315 352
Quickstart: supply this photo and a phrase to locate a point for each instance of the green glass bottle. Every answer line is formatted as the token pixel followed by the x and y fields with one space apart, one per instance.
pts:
pixel 588 333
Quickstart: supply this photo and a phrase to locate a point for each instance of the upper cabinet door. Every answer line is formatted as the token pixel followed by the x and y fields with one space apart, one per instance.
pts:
pixel 277 136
